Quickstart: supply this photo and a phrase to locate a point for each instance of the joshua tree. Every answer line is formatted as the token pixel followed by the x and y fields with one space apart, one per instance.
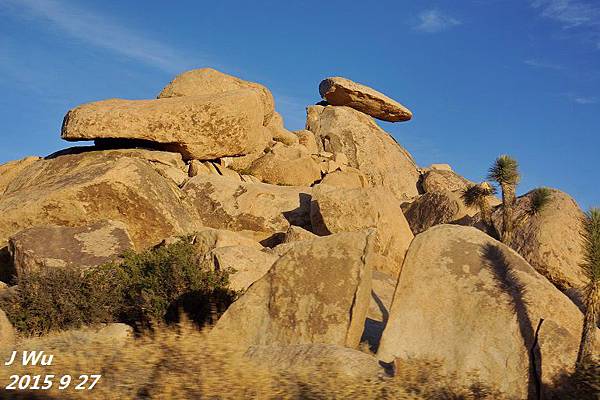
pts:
pixel 591 267
pixel 505 171
pixel 478 196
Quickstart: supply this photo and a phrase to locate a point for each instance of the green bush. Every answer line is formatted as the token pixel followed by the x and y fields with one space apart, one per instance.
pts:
pixel 51 299
pixel 142 289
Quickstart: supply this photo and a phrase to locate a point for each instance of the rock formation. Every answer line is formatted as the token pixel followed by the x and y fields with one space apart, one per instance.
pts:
pixel 471 301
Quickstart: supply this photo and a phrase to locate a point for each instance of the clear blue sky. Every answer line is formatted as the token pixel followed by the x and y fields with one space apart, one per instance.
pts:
pixel 483 77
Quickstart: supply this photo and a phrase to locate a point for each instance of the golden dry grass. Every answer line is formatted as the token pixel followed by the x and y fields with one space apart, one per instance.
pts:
pixel 184 363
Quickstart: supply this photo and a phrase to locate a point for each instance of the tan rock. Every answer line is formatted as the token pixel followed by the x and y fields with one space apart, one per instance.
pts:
pixel 53 246
pixel 279 133
pixel 79 189
pixel 307 139
pixel 440 167
pixel 436 180
pixel 317 357
pixel 247 264
pixel 344 92
pixel 382 294
pixel 368 148
pixel 199 127
pixel 335 210
pixel 317 292
pixel 435 208
pixel 474 303
pixel 7 333
pixel 207 81
pixel 348 177
pixel 286 165
pixel 9 170
pixel 74 341
pixel 209 239
pixel 256 208
pixel 551 241
pixel 297 234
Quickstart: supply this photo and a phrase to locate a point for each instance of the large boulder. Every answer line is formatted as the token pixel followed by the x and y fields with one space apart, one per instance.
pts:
pixel 207 81
pixel 436 180
pixel 286 165
pixel 340 91
pixel 317 292
pixel 54 246
pixel 435 208
pixel 11 169
pixel 551 240
pixel 201 127
pixel 367 147
pixel 337 360
pixel 208 239
pixel 346 177
pixel 258 209
pixel 474 303
pixel 79 189
pixel 334 210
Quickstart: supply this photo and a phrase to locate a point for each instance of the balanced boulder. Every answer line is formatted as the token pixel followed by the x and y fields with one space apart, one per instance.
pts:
pixel 67 247
pixel 474 303
pixel 317 292
pixel 208 81
pixel 344 92
pixel 259 209
pixel 367 148
pixel 334 210
pixel 201 127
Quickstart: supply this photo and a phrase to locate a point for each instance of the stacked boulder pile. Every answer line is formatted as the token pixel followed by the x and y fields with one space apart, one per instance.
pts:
pixel 318 225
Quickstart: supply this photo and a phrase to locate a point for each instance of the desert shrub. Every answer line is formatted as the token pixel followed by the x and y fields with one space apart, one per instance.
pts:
pixel 163 282
pixel 56 298
pixel 141 289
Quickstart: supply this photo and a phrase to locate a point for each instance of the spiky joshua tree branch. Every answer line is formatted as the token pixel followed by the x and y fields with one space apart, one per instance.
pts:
pixel 591 268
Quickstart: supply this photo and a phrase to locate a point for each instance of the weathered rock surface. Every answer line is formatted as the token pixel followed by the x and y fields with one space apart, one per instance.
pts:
pixel 9 170
pixel 551 241
pixel 435 208
pixel 7 333
pixel 209 239
pixel 317 292
pixel 199 127
pixel 335 210
pixel 207 81
pixel 300 358
pixel 279 133
pixel 53 246
pixel 76 340
pixel 259 209
pixel 246 263
pixel 287 165
pixel 367 147
pixel 382 294
pixel 307 139
pixel 471 301
pixel 346 177
pixel 296 234
pixel 79 189
pixel 340 91
pixel 436 180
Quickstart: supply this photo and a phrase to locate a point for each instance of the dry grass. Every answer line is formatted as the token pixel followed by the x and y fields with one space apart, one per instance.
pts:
pixel 184 363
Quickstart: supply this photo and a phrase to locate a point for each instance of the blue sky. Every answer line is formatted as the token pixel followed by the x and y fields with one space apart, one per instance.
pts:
pixel 483 77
